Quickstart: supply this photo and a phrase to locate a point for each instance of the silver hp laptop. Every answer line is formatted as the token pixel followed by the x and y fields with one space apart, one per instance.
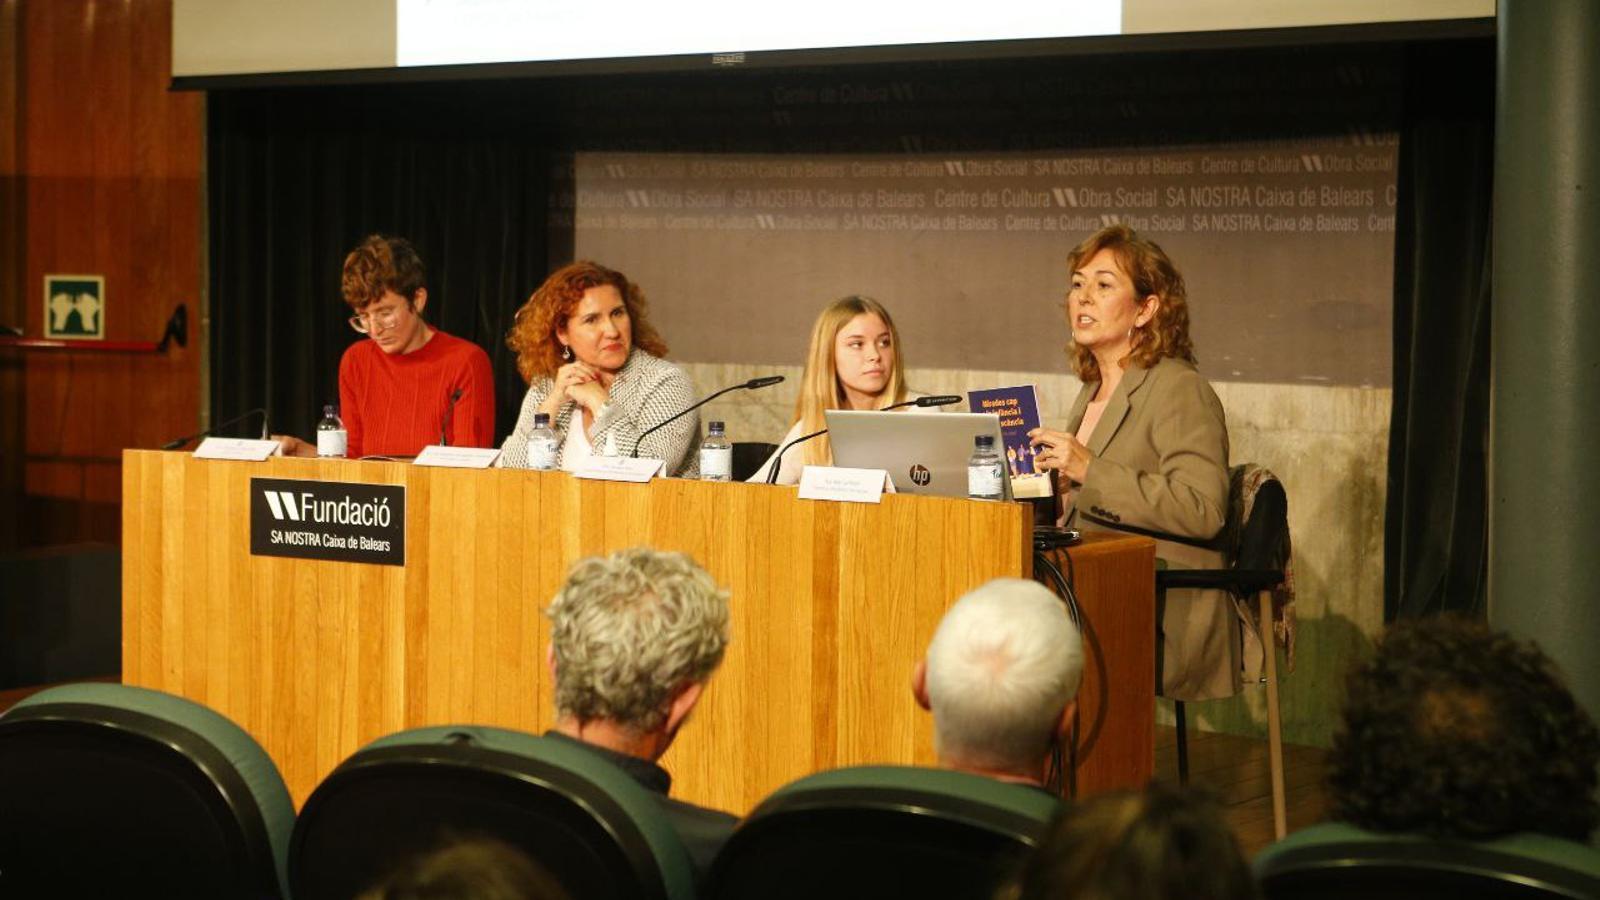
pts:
pixel 924 452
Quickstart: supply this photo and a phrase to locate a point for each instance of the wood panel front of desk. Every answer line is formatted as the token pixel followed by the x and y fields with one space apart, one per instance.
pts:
pixel 832 604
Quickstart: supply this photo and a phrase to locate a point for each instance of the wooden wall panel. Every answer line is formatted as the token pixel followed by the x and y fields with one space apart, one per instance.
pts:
pixel 108 169
pixel 11 271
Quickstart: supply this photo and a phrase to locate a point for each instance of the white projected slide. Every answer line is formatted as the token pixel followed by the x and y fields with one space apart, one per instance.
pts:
pixel 451 32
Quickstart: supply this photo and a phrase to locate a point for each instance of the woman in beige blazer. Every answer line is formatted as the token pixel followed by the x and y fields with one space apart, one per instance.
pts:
pixel 1145 448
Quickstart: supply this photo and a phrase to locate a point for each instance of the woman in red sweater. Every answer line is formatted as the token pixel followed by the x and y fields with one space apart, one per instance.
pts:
pixel 395 389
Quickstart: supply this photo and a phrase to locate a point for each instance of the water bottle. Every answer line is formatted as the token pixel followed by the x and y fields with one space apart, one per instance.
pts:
pixel 544 448
pixel 716 455
pixel 984 470
pixel 332 441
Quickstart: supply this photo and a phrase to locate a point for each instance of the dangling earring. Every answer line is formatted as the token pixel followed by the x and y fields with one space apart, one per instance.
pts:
pixel 566 352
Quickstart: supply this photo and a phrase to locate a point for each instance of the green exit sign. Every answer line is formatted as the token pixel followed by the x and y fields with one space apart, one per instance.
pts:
pixel 75 307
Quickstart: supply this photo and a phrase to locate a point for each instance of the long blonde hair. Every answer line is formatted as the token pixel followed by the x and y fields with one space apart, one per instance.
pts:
pixel 820 388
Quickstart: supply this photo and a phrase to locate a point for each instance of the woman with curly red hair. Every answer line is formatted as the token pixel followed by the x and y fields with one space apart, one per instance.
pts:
pixel 593 365
pixel 1145 447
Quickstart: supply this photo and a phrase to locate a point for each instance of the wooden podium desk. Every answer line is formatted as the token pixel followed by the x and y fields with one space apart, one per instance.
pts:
pixel 832 604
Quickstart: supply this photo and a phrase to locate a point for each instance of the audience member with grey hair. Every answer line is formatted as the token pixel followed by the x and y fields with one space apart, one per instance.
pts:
pixel 634 637
pixel 1001 677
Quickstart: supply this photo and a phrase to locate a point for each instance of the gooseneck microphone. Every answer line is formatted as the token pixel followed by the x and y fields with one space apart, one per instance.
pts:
pixel 173 445
pixel 752 384
pixel 449 410
pixel 924 402
pixel 777 461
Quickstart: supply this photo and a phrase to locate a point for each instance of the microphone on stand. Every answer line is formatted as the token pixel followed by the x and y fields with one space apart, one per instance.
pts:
pixel 752 384
pixel 173 445
pixel 777 461
pixel 449 409
pixel 935 400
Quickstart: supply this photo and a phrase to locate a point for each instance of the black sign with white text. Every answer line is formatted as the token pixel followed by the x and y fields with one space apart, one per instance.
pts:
pixel 334 520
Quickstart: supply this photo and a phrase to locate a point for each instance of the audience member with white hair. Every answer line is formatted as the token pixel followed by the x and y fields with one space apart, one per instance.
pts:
pixel 1001 677
pixel 634 637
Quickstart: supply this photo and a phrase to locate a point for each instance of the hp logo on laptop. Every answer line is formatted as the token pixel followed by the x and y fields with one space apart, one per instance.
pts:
pixel 920 475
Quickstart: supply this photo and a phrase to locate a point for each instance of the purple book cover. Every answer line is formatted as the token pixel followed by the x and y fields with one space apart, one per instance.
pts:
pixel 1018 408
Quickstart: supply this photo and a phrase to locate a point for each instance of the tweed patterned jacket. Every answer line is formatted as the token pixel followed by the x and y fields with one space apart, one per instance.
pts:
pixel 645 393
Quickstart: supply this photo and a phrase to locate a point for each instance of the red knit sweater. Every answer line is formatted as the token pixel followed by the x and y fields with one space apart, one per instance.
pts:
pixel 393 404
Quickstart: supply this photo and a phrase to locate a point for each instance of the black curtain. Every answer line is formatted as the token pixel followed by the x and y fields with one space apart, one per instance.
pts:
pixel 297 177
pixel 1436 527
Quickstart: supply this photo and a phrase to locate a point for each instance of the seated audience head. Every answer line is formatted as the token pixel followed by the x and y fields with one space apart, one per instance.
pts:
pixel 475 869
pixel 1161 843
pixel 1127 303
pixel 1000 677
pixel 584 312
pixel 634 637
pixel 1455 731
pixel 383 282
pixel 854 362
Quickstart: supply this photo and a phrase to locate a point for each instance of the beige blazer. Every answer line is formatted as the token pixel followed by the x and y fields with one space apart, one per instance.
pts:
pixel 1161 468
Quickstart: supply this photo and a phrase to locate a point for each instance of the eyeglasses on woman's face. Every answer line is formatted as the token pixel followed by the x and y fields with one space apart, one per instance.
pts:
pixel 380 316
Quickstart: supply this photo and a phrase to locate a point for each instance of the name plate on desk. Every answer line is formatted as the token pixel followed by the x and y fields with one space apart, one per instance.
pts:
pixel 456 457
pixel 340 521
pixel 621 468
pixel 837 483
pixel 235 448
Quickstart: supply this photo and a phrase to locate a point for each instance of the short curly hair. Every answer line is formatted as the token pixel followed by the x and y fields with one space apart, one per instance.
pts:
pixel 378 264
pixel 1152 272
pixel 533 336
pixel 1456 731
pixel 631 629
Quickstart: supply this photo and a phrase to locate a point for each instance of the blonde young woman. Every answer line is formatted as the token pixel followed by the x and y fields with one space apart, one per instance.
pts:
pixel 854 363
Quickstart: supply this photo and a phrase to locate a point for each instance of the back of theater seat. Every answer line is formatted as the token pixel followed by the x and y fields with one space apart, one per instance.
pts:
pixel 594 829
pixel 115 791
pixel 882 831
pixel 1335 861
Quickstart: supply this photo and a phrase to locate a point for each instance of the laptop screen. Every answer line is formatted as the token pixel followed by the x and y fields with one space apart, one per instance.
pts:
pixel 923 452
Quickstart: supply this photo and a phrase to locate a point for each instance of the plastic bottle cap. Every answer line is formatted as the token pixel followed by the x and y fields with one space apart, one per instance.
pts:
pixel 985 440
pixel 716 427
pixel 540 420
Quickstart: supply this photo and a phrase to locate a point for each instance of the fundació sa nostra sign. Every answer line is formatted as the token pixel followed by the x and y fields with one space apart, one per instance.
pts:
pixel 341 521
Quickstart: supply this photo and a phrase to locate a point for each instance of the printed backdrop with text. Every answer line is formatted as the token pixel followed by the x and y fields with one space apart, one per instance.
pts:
pixel 1287 248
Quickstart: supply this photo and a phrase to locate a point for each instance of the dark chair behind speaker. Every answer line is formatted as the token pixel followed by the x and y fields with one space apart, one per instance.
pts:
pixel 748 457
pixel 1260 555
pixel 595 830
pixel 115 791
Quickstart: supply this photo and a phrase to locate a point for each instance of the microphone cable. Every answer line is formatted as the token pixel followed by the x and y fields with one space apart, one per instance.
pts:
pixel 1063 761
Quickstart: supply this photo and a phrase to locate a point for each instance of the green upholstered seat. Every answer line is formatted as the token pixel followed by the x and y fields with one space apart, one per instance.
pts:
pixel 1338 860
pixel 597 831
pixel 110 790
pixel 883 831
